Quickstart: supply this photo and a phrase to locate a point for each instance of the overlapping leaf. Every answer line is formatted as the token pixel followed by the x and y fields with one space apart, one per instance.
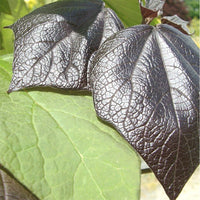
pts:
pixel 53 43
pixel 154 4
pixel 151 9
pixel 10 189
pixel 145 83
pixel 176 7
pixel 176 22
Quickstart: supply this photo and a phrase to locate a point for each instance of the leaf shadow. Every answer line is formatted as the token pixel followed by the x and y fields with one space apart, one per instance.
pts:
pixel 74 92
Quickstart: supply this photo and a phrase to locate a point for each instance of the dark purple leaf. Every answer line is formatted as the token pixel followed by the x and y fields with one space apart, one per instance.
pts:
pixel 11 189
pixel 145 83
pixel 155 5
pixel 151 9
pixel 53 43
pixel 176 22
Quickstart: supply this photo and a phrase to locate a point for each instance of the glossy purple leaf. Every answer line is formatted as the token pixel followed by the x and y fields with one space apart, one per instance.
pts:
pixel 145 82
pixel 54 43
pixel 155 5
pixel 176 22
pixel 151 9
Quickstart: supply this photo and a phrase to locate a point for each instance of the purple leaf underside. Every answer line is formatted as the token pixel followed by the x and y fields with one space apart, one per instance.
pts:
pixel 176 22
pixel 10 189
pixel 54 43
pixel 151 9
pixel 145 83
pixel 154 5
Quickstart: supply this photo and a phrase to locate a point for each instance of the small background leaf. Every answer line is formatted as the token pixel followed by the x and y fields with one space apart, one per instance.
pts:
pixel 18 9
pixel 4 7
pixel 176 22
pixel 52 141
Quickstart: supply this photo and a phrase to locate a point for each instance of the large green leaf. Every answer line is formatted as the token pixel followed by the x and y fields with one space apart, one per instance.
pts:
pixel 127 10
pixel 18 9
pixel 52 141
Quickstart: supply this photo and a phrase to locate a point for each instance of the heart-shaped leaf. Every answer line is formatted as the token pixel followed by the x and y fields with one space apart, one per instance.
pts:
pixel 54 42
pixel 145 83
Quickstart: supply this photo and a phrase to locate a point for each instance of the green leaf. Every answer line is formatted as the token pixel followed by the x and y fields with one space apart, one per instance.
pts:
pixel 4 7
pixel 52 141
pixel 18 9
pixel 127 10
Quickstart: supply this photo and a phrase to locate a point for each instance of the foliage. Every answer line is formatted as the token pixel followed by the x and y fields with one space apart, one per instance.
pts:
pixel 33 4
pixel 71 149
pixel 18 9
pixel 54 144
pixel 193 6
pixel 4 7
pixel 194 29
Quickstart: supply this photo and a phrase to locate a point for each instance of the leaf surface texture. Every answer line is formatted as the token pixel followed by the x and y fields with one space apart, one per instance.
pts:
pixel 54 43
pixel 145 83
pixel 54 144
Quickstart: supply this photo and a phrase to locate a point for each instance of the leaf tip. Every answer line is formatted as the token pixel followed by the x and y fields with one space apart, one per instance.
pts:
pixel 6 27
pixel 9 91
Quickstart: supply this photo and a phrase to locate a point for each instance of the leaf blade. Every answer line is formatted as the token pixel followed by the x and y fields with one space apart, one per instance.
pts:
pixel 136 91
pixel 59 59
pixel 58 141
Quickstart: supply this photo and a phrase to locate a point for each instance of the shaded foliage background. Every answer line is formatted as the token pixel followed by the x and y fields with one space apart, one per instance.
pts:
pixel 193 6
